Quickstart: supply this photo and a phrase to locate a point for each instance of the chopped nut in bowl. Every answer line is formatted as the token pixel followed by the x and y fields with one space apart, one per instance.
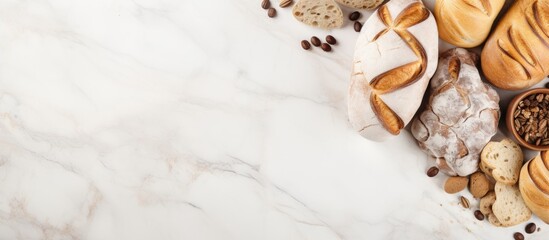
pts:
pixel 527 119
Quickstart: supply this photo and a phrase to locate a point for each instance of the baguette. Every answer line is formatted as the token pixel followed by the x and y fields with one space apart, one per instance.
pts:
pixel 516 55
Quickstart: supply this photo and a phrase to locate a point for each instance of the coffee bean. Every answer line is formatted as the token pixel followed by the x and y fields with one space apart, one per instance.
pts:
pixel 305 45
pixel 358 26
pixel 354 16
pixel 271 12
pixel 326 47
pixel 315 41
pixel 433 171
pixel 265 4
pixel 547 84
pixel 530 228
pixel 518 236
pixel 479 215
pixel 331 40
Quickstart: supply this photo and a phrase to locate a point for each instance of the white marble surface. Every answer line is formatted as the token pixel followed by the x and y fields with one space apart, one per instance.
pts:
pixel 199 120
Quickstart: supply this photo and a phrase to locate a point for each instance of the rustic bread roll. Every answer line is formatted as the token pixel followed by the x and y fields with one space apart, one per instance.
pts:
pixel 395 55
pixel 502 161
pixel 532 191
pixel 466 23
pixel 516 55
pixel 461 116
pixel 361 4
pixel 318 13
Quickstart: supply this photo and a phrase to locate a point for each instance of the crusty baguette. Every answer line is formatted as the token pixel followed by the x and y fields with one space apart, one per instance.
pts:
pixel 395 56
pixel 509 207
pixel 466 23
pixel 361 4
pixel 502 161
pixel 516 55
pixel 536 200
pixel 319 13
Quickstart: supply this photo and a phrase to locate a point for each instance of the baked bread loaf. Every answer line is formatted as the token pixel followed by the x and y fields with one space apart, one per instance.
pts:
pixel 395 56
pixel 318 13
pixel 361 4
pixel 516 55
pixel 534 192
pixel 502 161
pixel 466 23
pixel 461 116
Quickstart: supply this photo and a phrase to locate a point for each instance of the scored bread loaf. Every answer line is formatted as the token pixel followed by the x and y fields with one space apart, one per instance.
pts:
pixel 460 117
pixel 395 56
pixel 509 207
pixel 532 192
pixel 516 55
pixel 318 13
pixel 502 161
pixel 361 4
pixel 466 23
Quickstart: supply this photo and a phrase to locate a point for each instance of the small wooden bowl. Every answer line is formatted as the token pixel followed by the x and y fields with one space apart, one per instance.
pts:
pixel 509 118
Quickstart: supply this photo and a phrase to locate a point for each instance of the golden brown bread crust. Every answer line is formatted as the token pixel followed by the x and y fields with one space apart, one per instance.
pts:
pixel 534 197
pixel 466 23
pixel 516 56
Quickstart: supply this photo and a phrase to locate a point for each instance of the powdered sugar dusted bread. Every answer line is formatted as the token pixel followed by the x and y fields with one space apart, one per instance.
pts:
pixel 461 116
pixel 319 13
pixel 362 4
pixel 395 56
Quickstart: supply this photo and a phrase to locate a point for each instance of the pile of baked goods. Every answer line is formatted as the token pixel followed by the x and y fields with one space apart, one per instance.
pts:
pixel 396 58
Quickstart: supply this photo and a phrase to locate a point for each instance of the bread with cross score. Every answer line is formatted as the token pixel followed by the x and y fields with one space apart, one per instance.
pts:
pixel 395 56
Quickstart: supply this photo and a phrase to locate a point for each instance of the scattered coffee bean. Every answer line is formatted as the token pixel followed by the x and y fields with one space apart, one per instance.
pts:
pixel 315 41
pixel 518 236
pixel 326 47
pixel 354 16
pixel 530 228
pixel 464 202
pixel 358 26
pixel 305 45
pixel 479 215
pixel 265 4
pixel 331 40
pixel 285 3
pixel 433 171
pixel 547 84
pixel 539 229
pixel 271 12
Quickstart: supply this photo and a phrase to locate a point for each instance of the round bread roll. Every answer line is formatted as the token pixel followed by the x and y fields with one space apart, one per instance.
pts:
pixel 532 190
pixel 466 23
pixel 516 56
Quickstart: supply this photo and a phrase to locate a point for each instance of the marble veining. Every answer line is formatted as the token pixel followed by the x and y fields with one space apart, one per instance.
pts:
pixel 189 119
